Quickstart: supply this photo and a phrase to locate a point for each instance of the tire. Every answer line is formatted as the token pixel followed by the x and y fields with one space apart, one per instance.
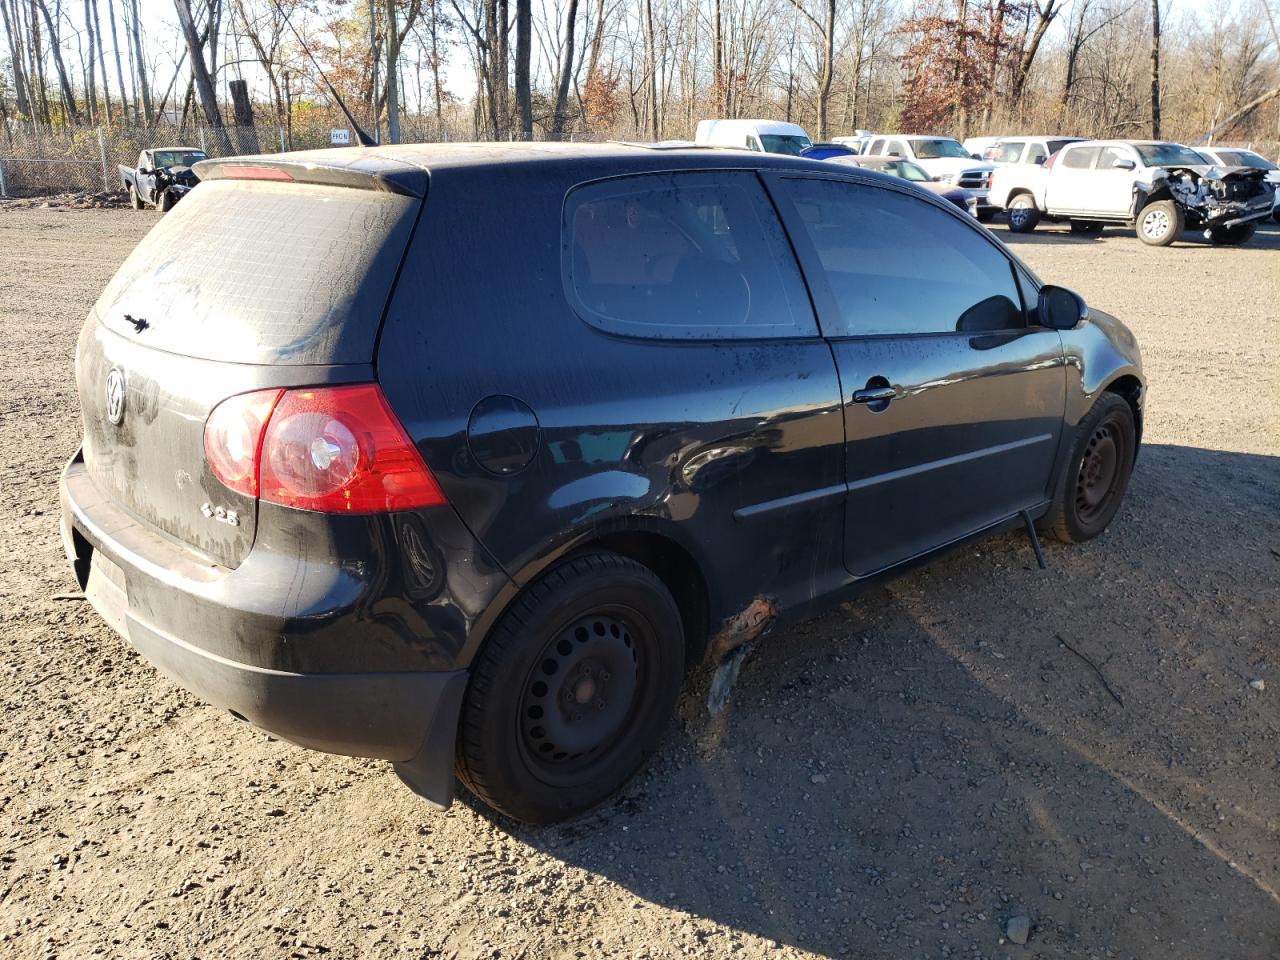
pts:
pixel 1093 483
pixel 1086 228
pixel 135 201
pixel 1275 215
pixel 1232 236
pixel 1023 213
pixel 985 214
pixel 596 631
pixel 165 203
pixel 1160 223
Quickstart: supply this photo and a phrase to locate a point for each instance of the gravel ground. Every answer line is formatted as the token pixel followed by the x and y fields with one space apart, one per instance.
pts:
pixel 898 778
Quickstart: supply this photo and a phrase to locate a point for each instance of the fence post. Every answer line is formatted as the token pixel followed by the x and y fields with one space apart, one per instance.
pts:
pixel 3 191
pixel 202 144
pixel 102 155
pixel 280 130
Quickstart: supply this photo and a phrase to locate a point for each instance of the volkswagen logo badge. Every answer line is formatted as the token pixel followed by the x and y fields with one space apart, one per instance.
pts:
pixel 115 395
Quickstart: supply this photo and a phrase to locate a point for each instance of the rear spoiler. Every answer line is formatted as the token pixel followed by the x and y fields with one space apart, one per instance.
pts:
pixel 362 171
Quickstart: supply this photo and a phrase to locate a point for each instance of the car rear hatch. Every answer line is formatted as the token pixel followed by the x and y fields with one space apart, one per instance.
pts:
pixel 271 273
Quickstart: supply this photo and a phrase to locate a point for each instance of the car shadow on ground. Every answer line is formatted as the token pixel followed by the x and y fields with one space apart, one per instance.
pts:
pixel 938 744
pixel 1267 236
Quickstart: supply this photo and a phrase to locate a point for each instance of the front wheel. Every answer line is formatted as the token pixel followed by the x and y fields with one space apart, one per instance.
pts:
pixel 165 204
pixel 1023 214
pixel 1160 223
pixel 1096 475
pixel 571 692
pixel 1232 236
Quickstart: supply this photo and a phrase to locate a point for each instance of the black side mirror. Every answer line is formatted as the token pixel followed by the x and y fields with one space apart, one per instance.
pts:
pixel 974 156
pixel 1060 308
pixel 145 172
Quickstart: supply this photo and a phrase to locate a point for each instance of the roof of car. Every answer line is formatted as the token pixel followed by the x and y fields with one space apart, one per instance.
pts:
pixel 1041 136
pixel 402 167
pixel 441 156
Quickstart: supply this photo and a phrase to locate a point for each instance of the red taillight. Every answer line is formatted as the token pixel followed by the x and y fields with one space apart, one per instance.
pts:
pixel 233 438
pixel 328 449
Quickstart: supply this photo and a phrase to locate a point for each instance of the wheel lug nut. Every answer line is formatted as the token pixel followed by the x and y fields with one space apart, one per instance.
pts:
pixel 604 675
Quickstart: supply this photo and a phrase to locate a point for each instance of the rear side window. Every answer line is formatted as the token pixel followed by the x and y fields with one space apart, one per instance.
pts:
pixel 1010 152
pixel 1107 159
pixel 1036 153
pixel 264 272
pixel 685 256
pixel 895 264
pixel 1079 158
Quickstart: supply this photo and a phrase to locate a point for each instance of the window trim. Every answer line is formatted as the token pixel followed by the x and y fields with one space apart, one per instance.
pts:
pixel 824 301
pixel 804 316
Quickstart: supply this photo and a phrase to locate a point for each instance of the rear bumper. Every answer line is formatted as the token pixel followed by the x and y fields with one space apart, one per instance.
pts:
pixel 310 663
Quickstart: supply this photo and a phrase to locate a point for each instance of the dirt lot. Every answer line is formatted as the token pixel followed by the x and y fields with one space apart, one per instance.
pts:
pixel 897 778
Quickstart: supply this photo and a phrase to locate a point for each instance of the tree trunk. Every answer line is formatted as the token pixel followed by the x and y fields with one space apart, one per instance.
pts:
pixel 246 133
pixel 1155 69
pixel 64 82
pixel 524 48
pixel 566 72
pixel 200 76
pixel 90 84
pixel 102 61
pixel 143 86
pixel 1044 17
pixel 650 67
pixel 115 43
pixel 393 75
pixel 19 75
pixel 717 52
pixel 826 71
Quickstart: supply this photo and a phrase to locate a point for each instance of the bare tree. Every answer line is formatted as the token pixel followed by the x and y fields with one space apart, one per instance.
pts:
pixel 201 76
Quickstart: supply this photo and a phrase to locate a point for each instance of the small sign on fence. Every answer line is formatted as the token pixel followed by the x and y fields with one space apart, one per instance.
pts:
pixel 340 137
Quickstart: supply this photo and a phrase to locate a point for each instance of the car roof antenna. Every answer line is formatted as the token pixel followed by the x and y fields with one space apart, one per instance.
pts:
pixel 361 137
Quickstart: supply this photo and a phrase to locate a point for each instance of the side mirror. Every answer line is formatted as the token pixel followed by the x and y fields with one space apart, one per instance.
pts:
pixel 974 156
pixel 1060 308
pixel 145 172
pixel 1039 161
pixel 895 153
pixel 1123 164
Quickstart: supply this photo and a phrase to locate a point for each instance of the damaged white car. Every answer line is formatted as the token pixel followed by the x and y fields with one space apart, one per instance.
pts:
pixel 1160 189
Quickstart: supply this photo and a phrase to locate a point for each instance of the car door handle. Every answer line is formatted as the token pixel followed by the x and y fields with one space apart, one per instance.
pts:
pixel 875 394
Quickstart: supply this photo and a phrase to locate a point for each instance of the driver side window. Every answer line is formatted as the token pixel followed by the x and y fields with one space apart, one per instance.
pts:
pixel 895 264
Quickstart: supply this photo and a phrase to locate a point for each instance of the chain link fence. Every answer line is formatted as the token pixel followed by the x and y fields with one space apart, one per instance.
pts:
pixel 37 161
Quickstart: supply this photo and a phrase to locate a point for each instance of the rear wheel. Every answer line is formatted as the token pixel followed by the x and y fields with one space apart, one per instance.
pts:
pixel 1230 236
pixel 1096 475
pixel 1087 228
pixel 570 694
pixel 135 201
pixel 1023 214
pixel 1160 223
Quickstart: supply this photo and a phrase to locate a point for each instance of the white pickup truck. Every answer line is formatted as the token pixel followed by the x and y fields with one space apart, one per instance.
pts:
pixel 942 158
pixel 1159 188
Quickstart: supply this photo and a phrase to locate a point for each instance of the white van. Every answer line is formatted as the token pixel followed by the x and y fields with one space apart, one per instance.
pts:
pixel 763 136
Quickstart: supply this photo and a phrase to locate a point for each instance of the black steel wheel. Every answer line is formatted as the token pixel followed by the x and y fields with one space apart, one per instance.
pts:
pixel 572 690
pixel 1096 475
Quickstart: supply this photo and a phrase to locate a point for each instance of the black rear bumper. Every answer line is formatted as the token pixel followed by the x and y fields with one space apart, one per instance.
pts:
pixel 133 578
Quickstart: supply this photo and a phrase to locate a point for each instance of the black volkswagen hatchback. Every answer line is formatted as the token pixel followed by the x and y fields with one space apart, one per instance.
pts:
pixel 461 456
